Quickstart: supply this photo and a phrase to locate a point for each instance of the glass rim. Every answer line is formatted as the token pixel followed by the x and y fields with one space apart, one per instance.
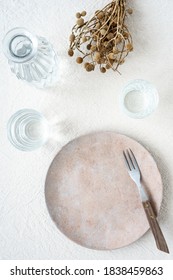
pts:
pixel 16 144
pixel 142 113
pixel 10 36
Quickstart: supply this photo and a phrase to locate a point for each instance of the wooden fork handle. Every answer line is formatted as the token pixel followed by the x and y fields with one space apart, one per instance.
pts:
pixel 158 235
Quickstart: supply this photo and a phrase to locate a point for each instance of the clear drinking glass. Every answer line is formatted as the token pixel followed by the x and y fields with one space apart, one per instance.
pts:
pixel 139 99
pixel 27 130
pixel 31 58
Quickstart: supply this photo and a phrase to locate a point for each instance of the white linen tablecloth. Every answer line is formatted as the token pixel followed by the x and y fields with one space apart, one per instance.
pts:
pixel 81 103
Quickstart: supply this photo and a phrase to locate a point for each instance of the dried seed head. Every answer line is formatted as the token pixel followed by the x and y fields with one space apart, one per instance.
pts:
pixel 103 70
pixel 110 36
pixel 102 60
pixel 106 27
pixel 130 11
pixel 72 38
pixel 103 31
pixel 84 39
pixel 83 13
pixel 129 47
pixel 79 60
pixel 80 21
pixel 86 64
pixel 126 35
pixel 98 25
pixel 89 67
pixel 108 66
pixel 78 15
pixel 111 61
pixel 97 56
pixel 115 50
pixel 70 52
pixel 111 55
pixel 88 46
pixel 93 48
pixel 118 40
pixel 100 14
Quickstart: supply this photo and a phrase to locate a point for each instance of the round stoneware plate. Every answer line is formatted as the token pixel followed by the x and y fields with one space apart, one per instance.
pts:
pixel 91 197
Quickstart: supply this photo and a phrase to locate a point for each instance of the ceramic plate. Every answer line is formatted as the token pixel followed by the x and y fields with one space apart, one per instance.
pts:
pixel 90 195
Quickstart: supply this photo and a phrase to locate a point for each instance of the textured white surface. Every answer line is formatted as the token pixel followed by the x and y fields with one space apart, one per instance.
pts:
pixel 82 102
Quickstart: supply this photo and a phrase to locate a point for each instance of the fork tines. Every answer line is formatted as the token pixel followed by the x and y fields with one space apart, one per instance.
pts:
pixel 130 160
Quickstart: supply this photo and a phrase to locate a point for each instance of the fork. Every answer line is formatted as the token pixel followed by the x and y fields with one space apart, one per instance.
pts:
pixel 135 174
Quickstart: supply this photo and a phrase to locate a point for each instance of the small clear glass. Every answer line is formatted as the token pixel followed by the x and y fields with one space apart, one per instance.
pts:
pixel 31 58
pixel 139 99
pixel 27 130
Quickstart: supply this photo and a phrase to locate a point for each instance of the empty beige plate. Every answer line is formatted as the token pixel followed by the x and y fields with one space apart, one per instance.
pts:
pixel 91 197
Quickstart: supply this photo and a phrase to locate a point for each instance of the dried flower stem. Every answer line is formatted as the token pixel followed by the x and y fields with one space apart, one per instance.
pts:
pixel 105 36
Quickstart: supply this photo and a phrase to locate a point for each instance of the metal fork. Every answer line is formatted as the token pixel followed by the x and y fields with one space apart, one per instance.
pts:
pixel 135 174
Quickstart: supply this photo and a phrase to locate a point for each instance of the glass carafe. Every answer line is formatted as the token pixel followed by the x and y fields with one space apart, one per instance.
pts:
pixel 31 58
